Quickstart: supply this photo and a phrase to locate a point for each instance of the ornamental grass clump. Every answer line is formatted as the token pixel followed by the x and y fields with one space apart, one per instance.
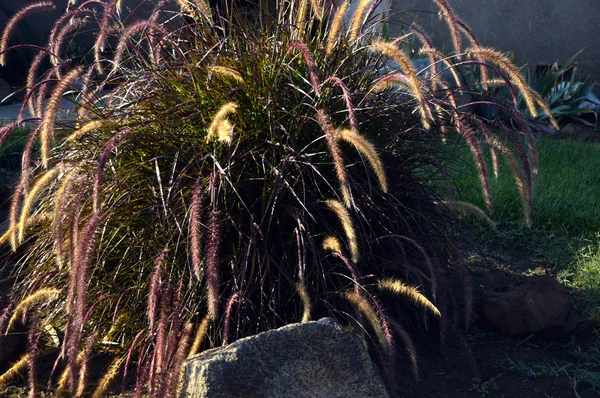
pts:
pixel 229 173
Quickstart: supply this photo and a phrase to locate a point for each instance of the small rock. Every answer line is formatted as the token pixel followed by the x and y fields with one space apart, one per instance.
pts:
pixel 540 304
pixel 313 359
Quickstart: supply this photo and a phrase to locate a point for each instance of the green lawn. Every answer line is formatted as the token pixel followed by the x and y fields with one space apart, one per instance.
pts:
pixel 565 236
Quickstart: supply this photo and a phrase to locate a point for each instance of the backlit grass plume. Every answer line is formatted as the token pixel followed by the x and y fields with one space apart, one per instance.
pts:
pixel 233 172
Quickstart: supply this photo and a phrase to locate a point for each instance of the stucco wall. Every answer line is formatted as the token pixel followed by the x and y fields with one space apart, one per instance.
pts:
pixel 536 31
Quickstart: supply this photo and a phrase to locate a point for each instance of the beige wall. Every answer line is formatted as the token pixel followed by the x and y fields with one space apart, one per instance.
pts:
pixel 538 31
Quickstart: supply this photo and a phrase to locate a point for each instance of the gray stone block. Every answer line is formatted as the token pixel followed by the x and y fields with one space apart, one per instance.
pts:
pixel 313 359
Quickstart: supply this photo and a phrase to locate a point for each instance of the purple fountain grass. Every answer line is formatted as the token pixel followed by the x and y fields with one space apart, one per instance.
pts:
pixel 174 377
pixel 160 345
pixel 31 79
pixel 48 119
pixel 358 19
pixel 33 346
pixel 129 358
pixel 154 287
pixel 176 323
pixel 42 93
pixel 83 369
pixel 60 208
pixel 335 27
pixel 312 70
pixel 212 263
pixel 108 148
pixel 141 26
pixel 450 17
pixel 26 171
pixel 408 346
pixel 465 130
pixel 338 162
pixel 433 273
pixel 233 299
pixel 18 17
pixel 65 31
pixel 346 94
pixel 103 34
pixel 353 272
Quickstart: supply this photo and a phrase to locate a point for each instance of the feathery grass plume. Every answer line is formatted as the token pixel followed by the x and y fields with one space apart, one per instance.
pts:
pixel 338 162
pixel 305 299
pixel 201 334
pixel 449 66
pixel 60 38
pixel 13 215
pixel 108 148
pixel 450 18
pixel 103 34
pixel 336 26
pixel 26 158
pixel 60 203
pixel 18 17
pixel 408 346
pixel 29 201
pixel 141 26
pixel 392 81
pixel 29 222
pixel 233 299
pixel 366 148
pixel 226 72
pixel 14 370
pixel 61 385
pixel 390 50
pixel 90 126
pixel 204 8
pixel 357 21
pixel 346 94
pixel 312 70
pixel 36 62
pixel 346 221
pixel 467 132
pixel 45 294
pixel 542 104
pixel 433 273
pixel 160 346
pixel 332 244
pixel 524 189
pixel 511 70
pixel 48 119
pixel 466 29
pixel 195 229
pixel 154 286
pixel 412 293
pixel 220 125
pixel 212 263
pixel 301 20
pixel 363 305
pixel 83 369
pixel 175 379
pixel 129 357
pixel 426 43
pixel 185 6
pixel 115 327
pixel 465 207
pixel 33 346
pixel 108 377
pixel 353 271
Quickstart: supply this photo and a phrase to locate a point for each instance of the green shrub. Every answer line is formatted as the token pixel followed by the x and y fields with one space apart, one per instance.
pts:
pixel 244 170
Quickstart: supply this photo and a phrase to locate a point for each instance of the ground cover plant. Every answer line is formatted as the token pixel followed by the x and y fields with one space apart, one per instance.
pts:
pixel 235 170
pixel 563 241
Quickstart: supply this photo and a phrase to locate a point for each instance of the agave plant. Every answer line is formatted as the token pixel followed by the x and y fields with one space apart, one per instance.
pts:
pixel 229 173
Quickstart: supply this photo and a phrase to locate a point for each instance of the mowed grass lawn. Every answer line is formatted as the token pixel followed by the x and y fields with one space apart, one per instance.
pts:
pixel 565 235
